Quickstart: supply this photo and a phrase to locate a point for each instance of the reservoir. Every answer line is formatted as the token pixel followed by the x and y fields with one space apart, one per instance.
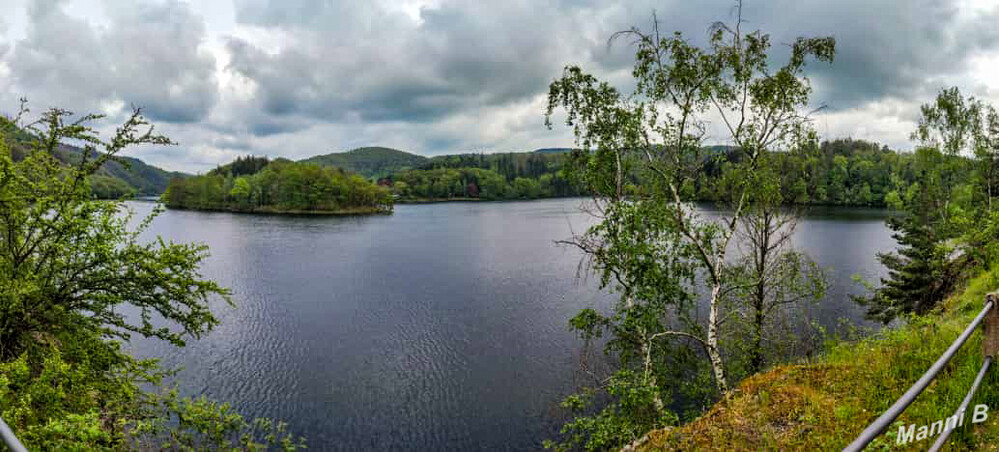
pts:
pixel 439 327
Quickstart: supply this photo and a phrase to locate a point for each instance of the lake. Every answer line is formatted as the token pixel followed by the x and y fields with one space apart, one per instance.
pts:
pixel 441 326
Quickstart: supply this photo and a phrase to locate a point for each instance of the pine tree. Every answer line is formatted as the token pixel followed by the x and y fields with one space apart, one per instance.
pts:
pixel 922 272
pixel 918 273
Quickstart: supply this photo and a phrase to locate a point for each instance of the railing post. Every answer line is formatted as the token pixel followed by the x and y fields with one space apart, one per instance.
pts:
pixel 990 327
pixel 7 437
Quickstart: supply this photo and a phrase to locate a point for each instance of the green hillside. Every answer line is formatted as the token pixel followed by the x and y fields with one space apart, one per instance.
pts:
pixel 113 179
pixel 369 161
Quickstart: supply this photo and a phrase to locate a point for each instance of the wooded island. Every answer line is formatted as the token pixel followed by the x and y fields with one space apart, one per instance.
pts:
pixel 257 184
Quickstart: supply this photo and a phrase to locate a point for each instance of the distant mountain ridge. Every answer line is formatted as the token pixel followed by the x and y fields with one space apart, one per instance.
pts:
pixel 378 162
pixel 370 162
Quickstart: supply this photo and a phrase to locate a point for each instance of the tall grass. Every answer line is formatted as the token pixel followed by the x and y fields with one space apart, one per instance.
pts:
pixel 823 404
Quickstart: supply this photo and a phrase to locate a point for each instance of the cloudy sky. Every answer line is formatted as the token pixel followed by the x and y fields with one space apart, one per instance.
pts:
pixel 296 78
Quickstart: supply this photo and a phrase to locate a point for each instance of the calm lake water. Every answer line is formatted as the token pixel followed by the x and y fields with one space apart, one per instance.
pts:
pixel 442 326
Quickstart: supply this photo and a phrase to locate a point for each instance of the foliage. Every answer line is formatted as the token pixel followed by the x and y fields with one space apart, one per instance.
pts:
pixel 105 187
pixel 918 273
pixel 823 404
pixel 242 166
pixel 474 183
pixel 844 172
pixel 615 424
pixel 939 231
pixel 484 176
pixel 77 395
pixel 769 283
pixel 121 176
pixel 75 281
pixel 836 172
pixel 202 424
pixel 640 156
pixel 259 185
pixel 68 262
pixel 510 165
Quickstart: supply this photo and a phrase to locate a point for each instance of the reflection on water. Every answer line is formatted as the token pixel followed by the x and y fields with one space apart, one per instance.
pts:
pixel 442 326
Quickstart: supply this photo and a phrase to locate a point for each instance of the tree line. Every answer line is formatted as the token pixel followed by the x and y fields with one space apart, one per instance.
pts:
pixel 483 176
pixel 257 184
pixel 842 172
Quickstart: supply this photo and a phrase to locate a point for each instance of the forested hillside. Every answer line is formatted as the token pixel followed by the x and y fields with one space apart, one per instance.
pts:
pixel 838 172
pixel 484 176
pixel 256 184
pixel 369 161
pixel 124 176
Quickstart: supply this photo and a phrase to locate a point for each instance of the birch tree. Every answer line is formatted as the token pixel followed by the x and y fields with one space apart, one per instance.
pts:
pixel 640 154
pixel 770 280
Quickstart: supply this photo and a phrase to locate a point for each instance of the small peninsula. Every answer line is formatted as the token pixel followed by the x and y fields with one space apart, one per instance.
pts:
pixel 259 185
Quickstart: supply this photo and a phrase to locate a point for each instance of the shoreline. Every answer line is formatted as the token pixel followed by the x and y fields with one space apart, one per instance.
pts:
pixel 272 211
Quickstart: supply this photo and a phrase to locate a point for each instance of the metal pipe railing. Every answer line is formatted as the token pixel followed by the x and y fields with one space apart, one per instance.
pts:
pixel 942 439
pixel 7 435
pixel 881 423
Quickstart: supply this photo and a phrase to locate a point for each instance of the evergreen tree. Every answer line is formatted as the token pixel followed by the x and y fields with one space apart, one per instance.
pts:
pixel 922 272
pixel 917 273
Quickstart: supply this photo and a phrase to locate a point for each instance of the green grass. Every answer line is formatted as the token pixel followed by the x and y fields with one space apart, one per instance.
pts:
pixel 825 403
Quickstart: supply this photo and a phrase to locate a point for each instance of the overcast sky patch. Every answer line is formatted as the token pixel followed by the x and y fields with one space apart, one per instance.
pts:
pixel 296 78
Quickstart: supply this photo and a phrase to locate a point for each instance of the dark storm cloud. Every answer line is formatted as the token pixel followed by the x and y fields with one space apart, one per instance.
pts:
pixel 147 56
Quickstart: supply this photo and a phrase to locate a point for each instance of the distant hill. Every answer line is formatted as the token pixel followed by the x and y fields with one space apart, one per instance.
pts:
pixel 114 178
pixel 370 161
pixel 146 179
pixel 721 148
pixel 553 150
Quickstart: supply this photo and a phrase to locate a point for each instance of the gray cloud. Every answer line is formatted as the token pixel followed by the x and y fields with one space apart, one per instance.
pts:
pixel 148 56
pixel 902 50
pixel 303 77
pixel 357 59
pixel 382 66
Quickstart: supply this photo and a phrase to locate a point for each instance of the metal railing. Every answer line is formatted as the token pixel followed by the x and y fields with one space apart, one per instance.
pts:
pixel 9 439
pixel 989 346
pixel 942 439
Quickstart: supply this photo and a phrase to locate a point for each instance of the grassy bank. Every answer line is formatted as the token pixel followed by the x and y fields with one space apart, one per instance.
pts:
pixel 824 404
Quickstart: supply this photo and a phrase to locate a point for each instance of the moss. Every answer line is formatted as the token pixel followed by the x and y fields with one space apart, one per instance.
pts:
pixel 825 403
